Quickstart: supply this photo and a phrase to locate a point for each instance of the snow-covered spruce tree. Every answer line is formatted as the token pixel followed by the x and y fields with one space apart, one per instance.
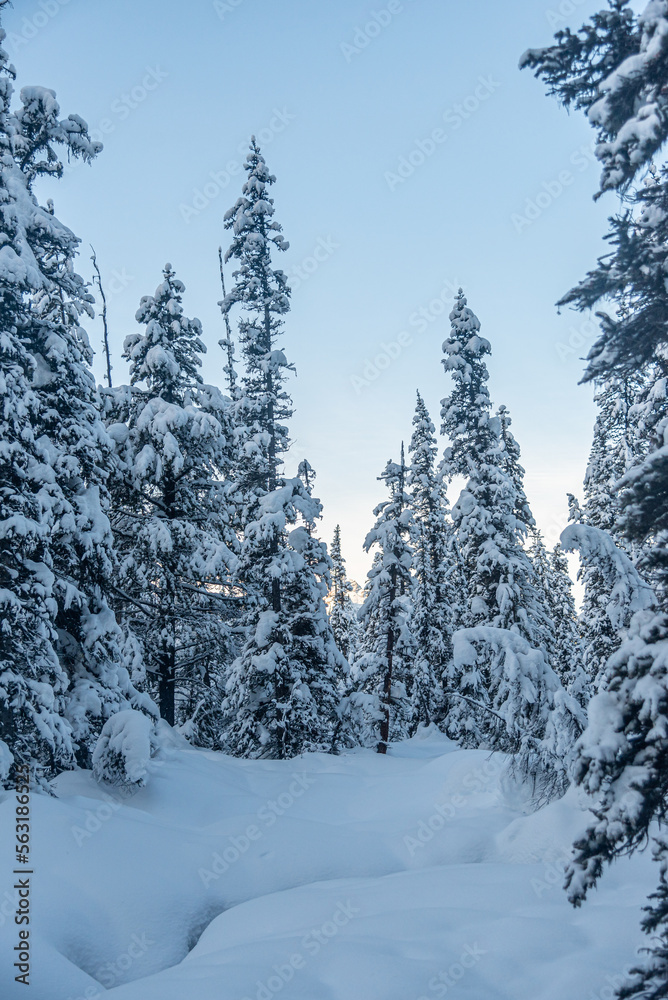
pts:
pixel 435 569
pixel 384 668
pixel 509 460
pixel 491 518
pixel 342 612
pixel 278 691
pixel 284 688
pixel 170 513
pixel 530 715
pixel 615 70
pixel 76 448
pixel 55 620
pixel 608 459
pixel 563 641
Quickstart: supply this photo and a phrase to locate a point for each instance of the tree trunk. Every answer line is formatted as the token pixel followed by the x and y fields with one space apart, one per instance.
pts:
pixel 387 682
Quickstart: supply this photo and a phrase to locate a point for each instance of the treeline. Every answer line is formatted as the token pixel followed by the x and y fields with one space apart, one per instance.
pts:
pixel 156 559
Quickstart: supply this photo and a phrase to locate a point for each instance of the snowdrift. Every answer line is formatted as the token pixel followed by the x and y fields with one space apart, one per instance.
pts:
pixel 417 875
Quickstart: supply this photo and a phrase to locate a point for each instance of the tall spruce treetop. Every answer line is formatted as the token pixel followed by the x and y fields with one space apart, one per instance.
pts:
pixel 435 567
pixel 263 293
pixel 465 413
pixel 510 463
pixel 342 613
pixel 339 581
pixel 166 356
pixel 613 69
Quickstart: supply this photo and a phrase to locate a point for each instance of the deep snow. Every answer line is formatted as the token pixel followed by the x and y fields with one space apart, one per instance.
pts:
pixel 417 875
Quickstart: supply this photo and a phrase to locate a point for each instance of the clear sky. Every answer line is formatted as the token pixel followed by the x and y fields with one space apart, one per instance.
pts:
pixel 411 157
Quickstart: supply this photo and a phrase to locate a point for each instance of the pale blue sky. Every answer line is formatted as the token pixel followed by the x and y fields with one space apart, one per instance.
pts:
pixel 342 95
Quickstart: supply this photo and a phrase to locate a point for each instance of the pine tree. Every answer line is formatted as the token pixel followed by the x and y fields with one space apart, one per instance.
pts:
pixel 435 570
pixel 384 668
pixel 342 614
pixel 176 543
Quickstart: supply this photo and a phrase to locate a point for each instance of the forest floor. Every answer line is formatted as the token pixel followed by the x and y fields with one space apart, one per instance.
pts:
pixel 414 876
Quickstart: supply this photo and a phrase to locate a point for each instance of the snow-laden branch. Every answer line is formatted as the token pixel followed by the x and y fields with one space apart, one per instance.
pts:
pixel 629 592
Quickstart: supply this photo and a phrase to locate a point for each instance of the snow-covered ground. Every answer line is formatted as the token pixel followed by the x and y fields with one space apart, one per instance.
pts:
pixel 417 875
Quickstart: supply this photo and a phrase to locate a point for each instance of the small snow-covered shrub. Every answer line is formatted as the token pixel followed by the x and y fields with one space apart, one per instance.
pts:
pixel 123 750
pixel 6 761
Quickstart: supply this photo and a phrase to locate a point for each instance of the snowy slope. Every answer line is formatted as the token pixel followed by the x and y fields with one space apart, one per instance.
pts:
pixel 417 875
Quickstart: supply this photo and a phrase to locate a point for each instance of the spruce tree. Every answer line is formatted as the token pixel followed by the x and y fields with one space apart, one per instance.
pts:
pixel 343 613
pixel 491 516
pixel 384 668
pixel 175 539
pixel 279 692
pixel 614 69
pixel 76 448
pixel 58 639
pixel 435 569
pixel 563 641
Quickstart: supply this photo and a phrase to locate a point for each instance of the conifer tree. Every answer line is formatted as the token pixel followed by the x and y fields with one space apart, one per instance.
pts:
pixel 563 641
pixel 279 693
pixel 75 447
pixel 384 668
pixel 54 536
pixel 435 570
pixel 176 543
pixel 614 69
pixel 491 516
pixel 342 614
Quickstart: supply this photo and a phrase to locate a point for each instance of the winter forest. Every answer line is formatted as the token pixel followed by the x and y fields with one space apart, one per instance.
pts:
pixel 487 744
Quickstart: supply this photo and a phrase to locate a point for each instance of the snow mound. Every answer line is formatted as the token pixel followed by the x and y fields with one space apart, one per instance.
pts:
pixel 358 877
pixel 123 750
